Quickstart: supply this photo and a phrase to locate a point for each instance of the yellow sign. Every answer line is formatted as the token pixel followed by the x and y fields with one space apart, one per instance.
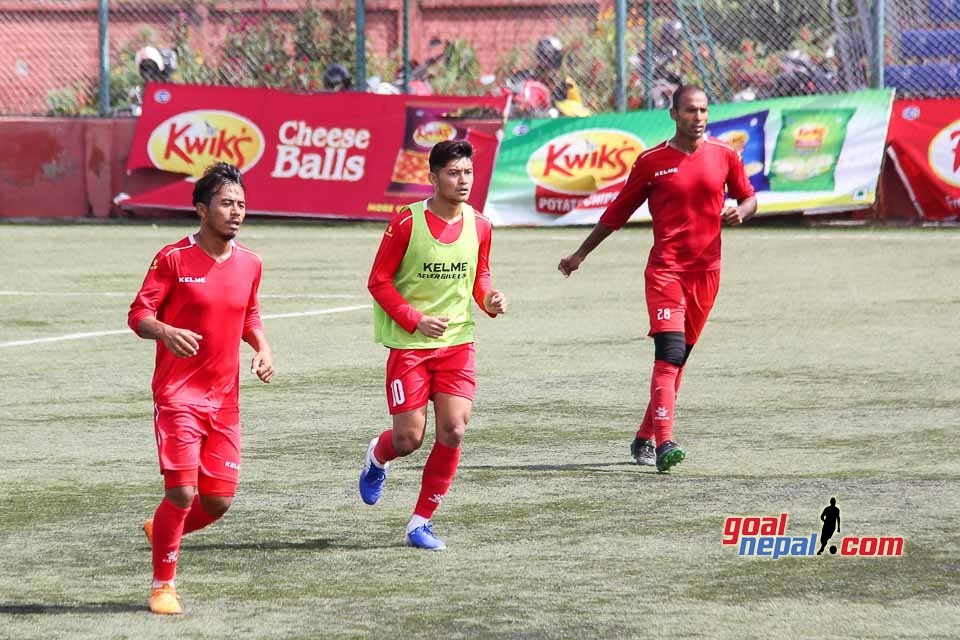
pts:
pixel 585 161
pixel 189 142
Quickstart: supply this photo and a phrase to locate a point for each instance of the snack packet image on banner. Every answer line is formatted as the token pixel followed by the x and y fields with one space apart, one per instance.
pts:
pixel 746 134
pixel 808 149
pixel 426 125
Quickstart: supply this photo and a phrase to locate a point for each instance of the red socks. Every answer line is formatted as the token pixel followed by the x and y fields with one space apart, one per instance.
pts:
pixel 663 397
pixel 197 518
pixel 437 477
pixel 167 531
pixel 384 451
pixel 647 430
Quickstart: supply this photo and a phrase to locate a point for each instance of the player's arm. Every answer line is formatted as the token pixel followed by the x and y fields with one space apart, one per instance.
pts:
pixel 633 194
pixel 254 335
pixel 493 302
pixel 262 363
pixel 393 246
pixel 739 188
pixel 142 317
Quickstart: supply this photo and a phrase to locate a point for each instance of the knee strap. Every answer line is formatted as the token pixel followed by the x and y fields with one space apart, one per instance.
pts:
pixel 669 346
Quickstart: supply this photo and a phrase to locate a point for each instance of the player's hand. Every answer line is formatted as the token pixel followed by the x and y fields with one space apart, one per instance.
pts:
pixel 495 302
pixel 262 365
pixel 182 343
pixel 570 264
pixel 432 326
pixel 731 215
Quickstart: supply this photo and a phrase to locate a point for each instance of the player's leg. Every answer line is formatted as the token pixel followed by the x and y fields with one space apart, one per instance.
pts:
pixel 408 390
pixel 453 383
pixel 667 312
pixel 179 433
pixel 700 293
pixel 220 456
pixel 642 449
pixel 643 446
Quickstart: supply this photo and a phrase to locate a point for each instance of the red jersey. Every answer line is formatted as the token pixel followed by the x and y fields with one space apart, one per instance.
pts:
pixel 188 289
pixel 393 247
pixel 686 195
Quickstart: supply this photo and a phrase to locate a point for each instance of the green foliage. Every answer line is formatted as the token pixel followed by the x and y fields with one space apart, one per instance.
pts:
pixel 458 73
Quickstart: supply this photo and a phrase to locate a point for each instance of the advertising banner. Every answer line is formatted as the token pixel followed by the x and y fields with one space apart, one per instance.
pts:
pixel 342 155
pixel 814 154
pixel 925 149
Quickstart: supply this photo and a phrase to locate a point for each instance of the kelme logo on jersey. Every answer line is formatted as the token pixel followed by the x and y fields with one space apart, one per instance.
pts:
pixel 444 270
pixel 944 154
pixel 430 133
pixel 191 141
pixel 582 162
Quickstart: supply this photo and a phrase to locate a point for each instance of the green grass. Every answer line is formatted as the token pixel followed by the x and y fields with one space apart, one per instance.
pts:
pixel 828 368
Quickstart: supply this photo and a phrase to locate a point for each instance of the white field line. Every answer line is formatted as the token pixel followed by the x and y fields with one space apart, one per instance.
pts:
pixel 128 294
pixel 117 332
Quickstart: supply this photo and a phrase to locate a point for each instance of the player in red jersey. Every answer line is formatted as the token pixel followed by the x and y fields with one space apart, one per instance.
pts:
pixel 683 179
pixel 434 256
pixel 198 300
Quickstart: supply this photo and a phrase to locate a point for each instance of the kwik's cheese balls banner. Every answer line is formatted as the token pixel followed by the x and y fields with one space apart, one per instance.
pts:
pixel 814 154
pixel 925 150
pixel 343 155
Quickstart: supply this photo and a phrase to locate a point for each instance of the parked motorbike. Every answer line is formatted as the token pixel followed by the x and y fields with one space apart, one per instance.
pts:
pixel 154 65
pixel 544 91
pixel 798 74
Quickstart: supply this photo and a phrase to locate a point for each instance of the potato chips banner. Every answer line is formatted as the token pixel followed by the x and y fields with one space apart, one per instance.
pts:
pixel 344 155
pixel 814 154
pixel 925 149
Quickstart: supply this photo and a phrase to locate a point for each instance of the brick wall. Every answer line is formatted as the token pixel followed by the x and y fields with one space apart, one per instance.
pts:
pixel 44 47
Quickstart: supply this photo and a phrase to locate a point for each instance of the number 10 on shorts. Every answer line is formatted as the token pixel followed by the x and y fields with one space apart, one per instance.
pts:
pixel 396 391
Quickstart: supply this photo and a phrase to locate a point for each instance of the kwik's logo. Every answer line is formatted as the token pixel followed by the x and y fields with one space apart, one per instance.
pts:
pixel 582 169
pixel 431 133
pixel 582 162
pixel 191 141
pixel 766 536
pixel 944 154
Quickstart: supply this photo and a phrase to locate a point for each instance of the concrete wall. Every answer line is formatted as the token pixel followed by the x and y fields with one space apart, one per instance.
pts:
pixel 67 168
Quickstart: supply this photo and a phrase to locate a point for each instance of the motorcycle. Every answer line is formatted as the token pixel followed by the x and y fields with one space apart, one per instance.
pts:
pixel 797 74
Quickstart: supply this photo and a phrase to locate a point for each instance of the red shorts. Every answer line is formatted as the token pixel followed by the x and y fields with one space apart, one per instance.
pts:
pixel 199 447
pixel 680 300
pixel 415 375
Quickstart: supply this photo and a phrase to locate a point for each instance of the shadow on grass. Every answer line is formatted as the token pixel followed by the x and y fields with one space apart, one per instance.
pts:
pixel 583 466
pixel 81 607
pixel 303 545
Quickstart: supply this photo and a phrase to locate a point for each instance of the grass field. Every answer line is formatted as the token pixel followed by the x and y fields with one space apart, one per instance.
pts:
pixel 829 368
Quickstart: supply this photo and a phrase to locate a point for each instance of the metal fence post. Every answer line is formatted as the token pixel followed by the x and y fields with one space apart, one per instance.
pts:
pixel 103 14
pixel 620 55
pixel 360 72
pixel 406 46
pixel 879 44
pixel 648 45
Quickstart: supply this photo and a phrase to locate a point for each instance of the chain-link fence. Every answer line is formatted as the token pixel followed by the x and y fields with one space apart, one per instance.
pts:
pixel 922 53
pixel 553 56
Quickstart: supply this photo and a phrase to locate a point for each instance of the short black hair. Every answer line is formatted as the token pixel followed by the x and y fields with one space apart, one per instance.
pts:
pixel 214 177
pixel 684 90
pixel 444 152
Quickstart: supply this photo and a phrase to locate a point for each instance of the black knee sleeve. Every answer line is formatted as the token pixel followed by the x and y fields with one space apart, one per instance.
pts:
pixel 670 346
pixel 686 354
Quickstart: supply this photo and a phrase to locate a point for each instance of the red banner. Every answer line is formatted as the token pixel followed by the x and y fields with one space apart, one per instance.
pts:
pixel 343 155
pixel 924 145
